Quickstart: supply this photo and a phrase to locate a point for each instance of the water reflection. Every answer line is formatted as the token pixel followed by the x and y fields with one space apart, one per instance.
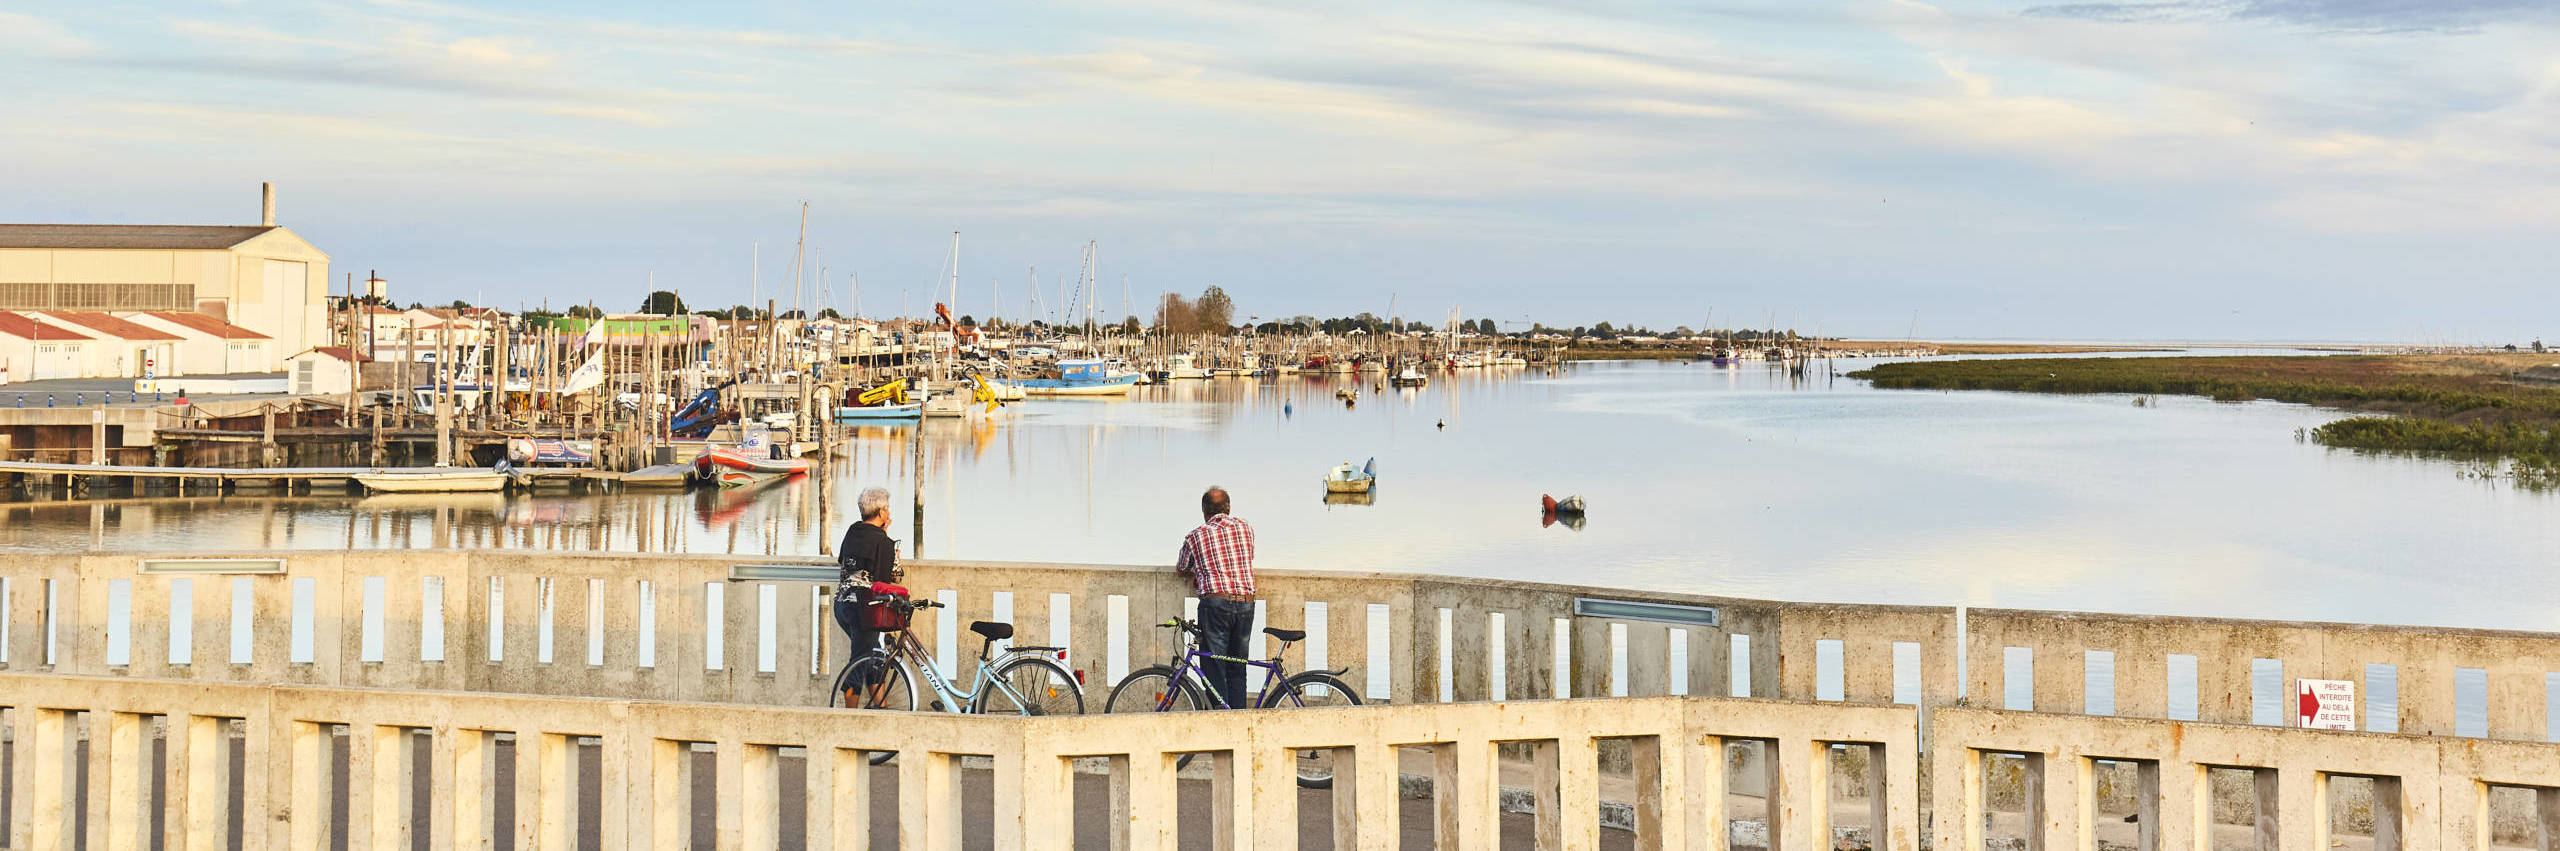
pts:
pixel 1748 481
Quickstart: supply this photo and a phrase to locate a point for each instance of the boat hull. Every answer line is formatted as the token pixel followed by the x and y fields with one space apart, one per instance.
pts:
pixel 473 481
pixel 723 458
pixel 862 413
pixel 1117 385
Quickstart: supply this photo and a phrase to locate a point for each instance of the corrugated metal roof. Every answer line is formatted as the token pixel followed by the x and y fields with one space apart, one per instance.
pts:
pixel 113 327
pixel 127 236
pixel 339 352
pixel 26 327
pixel 208 324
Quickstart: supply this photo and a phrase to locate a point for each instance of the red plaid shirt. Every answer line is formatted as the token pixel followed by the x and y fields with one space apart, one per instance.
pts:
pixel 1219 556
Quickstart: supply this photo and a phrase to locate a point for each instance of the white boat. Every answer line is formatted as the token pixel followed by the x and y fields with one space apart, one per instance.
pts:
pixel 1184 366
pixel 433 480
pixel 1410 377
pixel 1350 479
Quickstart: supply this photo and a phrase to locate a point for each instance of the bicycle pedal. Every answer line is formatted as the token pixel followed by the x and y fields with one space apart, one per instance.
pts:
pixel 937 706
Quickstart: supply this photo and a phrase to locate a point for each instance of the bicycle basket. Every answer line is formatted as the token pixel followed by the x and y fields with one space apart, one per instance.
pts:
pixel 887 613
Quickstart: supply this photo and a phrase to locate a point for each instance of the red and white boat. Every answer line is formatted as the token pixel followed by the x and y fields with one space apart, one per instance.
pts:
pixel 734 467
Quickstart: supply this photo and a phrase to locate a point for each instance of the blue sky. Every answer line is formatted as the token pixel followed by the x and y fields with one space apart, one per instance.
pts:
pixel 2202 169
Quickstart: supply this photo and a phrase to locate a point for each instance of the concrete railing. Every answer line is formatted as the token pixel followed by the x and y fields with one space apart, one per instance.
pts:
pixel 2428 681
pixel 305 765
pixel 137 763
pixel 2081 781
pixel 726 629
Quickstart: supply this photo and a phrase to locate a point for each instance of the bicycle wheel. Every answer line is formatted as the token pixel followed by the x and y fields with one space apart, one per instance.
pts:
pixel 874 681
pixel 1047 688
pixel 884 684
pixel 1312 689
pixel 1153 689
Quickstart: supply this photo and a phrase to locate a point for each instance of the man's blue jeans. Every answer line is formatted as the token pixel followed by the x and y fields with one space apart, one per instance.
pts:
pixel 1225 627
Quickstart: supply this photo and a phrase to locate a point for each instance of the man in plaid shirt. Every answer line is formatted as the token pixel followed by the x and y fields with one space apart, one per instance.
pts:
pixel 1218 556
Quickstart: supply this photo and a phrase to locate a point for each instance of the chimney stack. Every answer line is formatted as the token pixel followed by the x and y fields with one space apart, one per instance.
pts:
pixel 266 205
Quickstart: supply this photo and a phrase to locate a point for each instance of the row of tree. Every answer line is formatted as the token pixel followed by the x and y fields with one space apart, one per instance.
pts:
pixel 1213 312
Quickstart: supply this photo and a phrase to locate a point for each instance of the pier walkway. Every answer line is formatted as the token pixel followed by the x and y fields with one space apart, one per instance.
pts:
pixel 338 686
pixel 263 476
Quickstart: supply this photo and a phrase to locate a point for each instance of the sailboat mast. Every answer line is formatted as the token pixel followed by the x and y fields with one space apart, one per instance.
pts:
pixel 799 268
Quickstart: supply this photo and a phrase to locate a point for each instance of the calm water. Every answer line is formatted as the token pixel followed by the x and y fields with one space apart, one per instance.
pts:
pixel 1727 481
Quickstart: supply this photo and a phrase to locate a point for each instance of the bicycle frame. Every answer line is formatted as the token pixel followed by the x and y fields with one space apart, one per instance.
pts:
pixel 951 698
pixel 1193 660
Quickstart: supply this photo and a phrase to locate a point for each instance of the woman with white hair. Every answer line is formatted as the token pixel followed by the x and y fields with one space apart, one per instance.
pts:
pixel 867 556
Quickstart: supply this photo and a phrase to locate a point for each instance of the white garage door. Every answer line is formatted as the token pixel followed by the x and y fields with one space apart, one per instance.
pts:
pixel 57 360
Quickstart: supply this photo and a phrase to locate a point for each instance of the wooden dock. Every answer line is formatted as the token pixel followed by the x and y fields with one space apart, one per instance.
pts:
pixel 85 476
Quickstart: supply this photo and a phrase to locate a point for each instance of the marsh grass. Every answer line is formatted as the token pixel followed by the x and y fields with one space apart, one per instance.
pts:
pixel 2465 409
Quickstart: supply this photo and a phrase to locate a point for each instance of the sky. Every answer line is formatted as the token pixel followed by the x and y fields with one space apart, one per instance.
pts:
pixel 2366 170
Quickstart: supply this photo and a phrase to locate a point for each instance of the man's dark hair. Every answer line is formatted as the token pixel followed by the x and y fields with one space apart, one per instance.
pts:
pixel 1213 502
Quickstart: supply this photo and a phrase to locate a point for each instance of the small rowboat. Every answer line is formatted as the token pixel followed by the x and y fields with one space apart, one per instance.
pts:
pixel 1568 506
pixel 433 480
pixel 1349 479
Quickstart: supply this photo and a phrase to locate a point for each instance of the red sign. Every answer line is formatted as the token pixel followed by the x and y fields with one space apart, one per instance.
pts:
pixel 2325 704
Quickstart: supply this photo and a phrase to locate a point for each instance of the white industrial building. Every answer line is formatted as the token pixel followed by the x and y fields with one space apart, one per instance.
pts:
pixel 261 278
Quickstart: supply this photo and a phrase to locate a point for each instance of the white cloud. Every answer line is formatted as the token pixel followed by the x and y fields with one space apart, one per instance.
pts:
pixel 40 37
pixel 608 113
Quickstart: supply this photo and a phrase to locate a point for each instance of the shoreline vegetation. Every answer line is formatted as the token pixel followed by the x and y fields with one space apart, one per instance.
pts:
pixel 2491 408
pixel 1848 348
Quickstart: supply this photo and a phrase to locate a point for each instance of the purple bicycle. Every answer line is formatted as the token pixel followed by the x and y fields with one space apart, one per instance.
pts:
pixel 1179 686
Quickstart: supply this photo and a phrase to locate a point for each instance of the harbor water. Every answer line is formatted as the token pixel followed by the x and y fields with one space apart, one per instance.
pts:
pixel 1744 481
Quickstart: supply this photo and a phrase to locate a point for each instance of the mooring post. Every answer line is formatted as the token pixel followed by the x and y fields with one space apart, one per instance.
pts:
pixel 98 437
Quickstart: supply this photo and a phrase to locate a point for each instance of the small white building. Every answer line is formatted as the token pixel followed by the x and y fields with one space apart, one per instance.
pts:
pixel 322 371
pixel 384 326
pixel 33 347
pixel 124 349
pixel 209 346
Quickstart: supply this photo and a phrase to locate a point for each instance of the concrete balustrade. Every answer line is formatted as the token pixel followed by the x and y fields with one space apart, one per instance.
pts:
pixel 727 629
pixel 642 798
pixel 746 630
pixel 315 763
pixel 2418 792
pixel 2428 681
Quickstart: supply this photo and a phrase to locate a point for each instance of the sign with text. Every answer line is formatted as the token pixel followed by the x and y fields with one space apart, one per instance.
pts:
pixel 2326 704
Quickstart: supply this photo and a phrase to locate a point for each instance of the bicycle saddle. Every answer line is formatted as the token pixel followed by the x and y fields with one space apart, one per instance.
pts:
pixel 1285 634
pixel 992 631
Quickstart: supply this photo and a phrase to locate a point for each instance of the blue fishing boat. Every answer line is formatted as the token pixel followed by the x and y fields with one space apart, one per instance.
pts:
pixel 869 413
pixel 1080 377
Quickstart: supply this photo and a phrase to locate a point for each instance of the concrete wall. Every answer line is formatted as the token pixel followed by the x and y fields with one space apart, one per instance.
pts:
pixel 289 764
pixel 2516 668
pixel 1402 638
pixel 2421 792
pixel 2424 793
pixel 572 624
